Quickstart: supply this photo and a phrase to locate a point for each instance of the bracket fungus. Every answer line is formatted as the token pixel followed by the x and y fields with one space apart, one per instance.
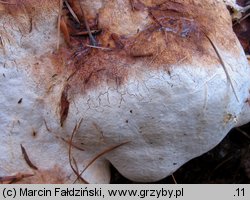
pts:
pixel 144 85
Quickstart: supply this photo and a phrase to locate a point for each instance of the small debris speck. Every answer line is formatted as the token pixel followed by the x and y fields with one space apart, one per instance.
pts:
pixel 20 101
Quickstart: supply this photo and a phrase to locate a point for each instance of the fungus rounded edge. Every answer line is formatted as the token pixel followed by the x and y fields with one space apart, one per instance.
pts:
pixel 155 83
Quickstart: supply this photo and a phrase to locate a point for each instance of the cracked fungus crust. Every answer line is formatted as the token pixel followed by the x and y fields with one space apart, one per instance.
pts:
pixel 161 34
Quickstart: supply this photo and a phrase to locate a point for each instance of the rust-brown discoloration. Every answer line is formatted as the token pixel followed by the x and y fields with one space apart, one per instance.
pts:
pixel 98 68
pixel 166 32
pixel 64 105
pixel 177 31
pixel 54 175
pixel 31 7
pixel 117 41
pixel 14 178
pixel 137 5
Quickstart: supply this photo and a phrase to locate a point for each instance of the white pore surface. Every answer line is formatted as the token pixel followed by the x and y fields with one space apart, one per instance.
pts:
pixel 167 119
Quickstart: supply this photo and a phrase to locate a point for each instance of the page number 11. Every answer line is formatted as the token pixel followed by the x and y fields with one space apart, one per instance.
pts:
pixel 240 192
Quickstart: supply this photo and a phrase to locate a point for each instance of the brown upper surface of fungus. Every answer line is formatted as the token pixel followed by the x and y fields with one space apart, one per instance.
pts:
pixel 162 33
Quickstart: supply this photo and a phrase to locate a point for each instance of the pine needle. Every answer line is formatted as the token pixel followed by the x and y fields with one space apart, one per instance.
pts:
pixel 72 12
pixel 92 39
pixel 72 144
pixel 59 23
pixel 175 182
pixel 76 171
pixel 101 154
pixel 64 29
pixel 243 18
pixel 223 65
pixel 26 158
pixel 98 47
pixel 243 133
pixel 84 33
